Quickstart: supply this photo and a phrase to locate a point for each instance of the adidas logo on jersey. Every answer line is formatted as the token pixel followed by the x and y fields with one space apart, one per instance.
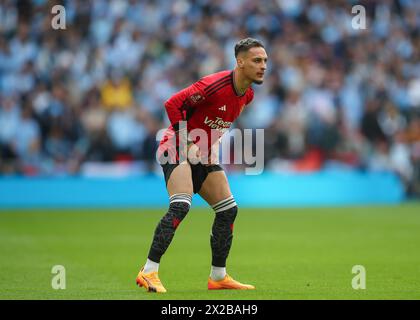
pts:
pixel 223 108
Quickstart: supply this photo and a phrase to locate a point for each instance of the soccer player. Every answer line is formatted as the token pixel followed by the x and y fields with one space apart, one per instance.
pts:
pixel 210 104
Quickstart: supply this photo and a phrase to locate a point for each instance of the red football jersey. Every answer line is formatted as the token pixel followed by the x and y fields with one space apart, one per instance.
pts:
pixel 211 104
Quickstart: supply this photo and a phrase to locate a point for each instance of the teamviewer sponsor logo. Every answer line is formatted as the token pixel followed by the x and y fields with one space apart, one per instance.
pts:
pixel 218 123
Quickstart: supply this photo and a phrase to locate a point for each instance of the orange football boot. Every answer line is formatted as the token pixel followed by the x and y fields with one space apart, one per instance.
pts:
pixel 228 283
pixel 150 281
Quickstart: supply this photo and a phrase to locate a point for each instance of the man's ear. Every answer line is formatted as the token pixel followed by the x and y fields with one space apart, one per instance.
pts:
pixel 240 62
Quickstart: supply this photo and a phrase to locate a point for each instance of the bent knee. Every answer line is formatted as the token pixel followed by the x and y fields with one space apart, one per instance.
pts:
pixel 180 202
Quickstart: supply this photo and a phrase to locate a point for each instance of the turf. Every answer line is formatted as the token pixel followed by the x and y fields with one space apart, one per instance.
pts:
pixel 285 253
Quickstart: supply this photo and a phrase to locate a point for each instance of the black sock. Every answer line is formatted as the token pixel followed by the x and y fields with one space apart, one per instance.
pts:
pixel 222 235
pixel 166 227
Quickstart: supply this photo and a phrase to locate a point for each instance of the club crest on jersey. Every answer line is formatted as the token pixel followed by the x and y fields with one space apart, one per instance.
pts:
pixel 196 97
pixel 223 108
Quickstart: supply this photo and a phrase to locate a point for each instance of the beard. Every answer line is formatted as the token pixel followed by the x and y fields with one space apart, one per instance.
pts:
pixel 258 81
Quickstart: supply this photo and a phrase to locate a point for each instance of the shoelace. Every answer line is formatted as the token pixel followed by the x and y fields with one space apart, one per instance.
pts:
pixel 233 280
pixel 155 280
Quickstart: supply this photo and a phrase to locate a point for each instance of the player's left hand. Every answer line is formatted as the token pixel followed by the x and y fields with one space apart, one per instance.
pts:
pixel 213 156
pixel 194 153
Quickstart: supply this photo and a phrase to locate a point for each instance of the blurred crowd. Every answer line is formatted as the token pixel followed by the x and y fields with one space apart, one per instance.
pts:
pixel 334 95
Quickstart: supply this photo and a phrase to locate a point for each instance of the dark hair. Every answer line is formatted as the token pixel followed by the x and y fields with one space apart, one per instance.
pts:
pixel 246 44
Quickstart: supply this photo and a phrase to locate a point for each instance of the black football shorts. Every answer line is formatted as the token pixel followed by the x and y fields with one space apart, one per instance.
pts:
pixel 199 173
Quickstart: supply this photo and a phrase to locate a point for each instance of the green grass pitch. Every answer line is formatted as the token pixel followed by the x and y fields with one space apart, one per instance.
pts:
pixel 286 253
